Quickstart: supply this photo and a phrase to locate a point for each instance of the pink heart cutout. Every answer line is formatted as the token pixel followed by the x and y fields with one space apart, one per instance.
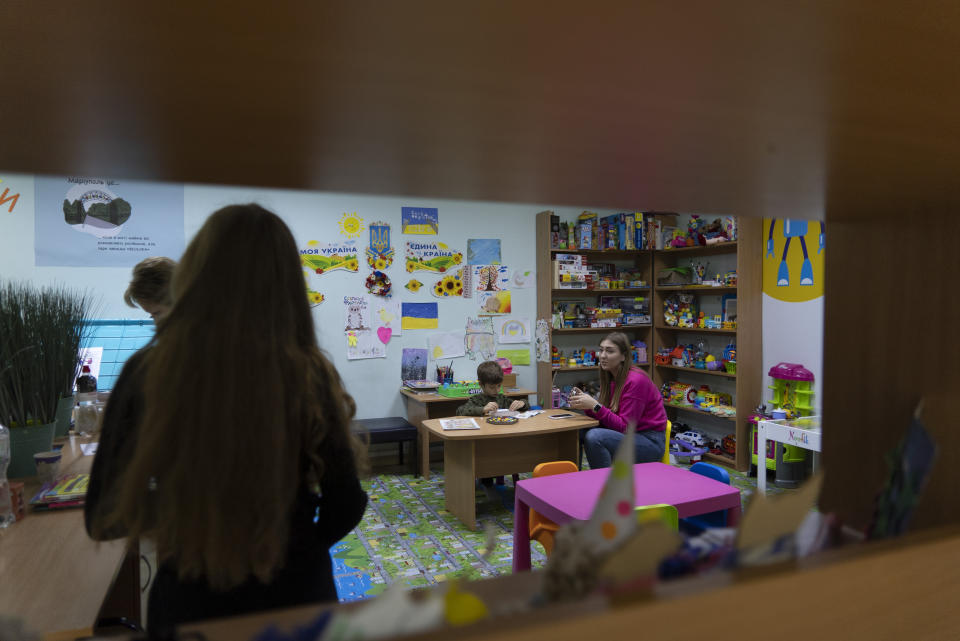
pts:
pixel 384 333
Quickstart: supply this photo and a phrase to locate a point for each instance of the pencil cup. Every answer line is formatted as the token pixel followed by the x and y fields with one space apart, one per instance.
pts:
pixel 48 464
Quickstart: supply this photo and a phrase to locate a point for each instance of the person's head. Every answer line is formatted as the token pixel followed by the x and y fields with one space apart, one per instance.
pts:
pixel 615 363
pixel 239 401
pixel 490 376
pixel 149 287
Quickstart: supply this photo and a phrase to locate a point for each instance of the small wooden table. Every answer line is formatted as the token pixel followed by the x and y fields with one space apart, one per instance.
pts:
pixel 563 498
pixel 421 407
pixel 54 576
pixel 501 450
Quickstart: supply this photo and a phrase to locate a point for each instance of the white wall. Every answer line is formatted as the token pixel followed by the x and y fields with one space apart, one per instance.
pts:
pixel 314 216
pixel 793 314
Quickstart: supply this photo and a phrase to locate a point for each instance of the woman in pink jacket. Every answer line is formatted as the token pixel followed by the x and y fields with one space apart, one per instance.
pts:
pixel 627 397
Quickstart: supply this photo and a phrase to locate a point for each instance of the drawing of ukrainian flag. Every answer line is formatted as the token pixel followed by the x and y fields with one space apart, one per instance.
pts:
pixel 418 316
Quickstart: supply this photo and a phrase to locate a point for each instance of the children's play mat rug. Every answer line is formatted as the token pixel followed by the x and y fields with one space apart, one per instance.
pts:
pixel 406 535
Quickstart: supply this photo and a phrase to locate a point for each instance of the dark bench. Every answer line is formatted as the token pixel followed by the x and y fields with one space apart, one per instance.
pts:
pixel 393 429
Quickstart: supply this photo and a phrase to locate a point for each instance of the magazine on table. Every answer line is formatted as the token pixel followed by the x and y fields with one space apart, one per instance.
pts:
pixel 66 491
pixel 464 423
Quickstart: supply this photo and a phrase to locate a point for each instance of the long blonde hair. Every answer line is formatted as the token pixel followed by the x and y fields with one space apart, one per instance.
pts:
pixel 240 406
pixel 622 343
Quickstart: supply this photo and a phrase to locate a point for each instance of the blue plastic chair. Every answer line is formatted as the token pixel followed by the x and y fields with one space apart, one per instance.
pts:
pixel 696 524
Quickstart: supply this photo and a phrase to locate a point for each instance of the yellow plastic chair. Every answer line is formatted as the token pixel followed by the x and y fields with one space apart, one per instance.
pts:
pixel 666 444
pixel 663 512
pixel 542 529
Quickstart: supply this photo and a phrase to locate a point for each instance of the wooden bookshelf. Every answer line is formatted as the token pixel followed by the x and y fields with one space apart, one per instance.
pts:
pixel 637 260
pixel 602 330
pixel 693 410
pixel 699 289
pixel 747 336
pixel 694 370
pixel 697 330
pixel 633 291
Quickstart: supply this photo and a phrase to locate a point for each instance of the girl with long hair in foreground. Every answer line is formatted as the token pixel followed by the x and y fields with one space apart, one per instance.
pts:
pixel 227 439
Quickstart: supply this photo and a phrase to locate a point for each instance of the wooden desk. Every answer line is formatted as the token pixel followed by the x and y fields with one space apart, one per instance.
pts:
pixel 421 407
pixel 52 574
pixel 496 450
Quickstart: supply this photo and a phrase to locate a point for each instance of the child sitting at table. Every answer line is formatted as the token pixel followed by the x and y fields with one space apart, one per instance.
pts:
pixel 490 376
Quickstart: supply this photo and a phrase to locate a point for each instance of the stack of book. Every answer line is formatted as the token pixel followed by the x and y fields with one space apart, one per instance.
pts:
pixel 67 491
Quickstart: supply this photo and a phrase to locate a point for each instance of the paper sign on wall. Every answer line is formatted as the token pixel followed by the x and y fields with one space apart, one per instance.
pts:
pixel 431 256
pixel 94 222
pixel 490 278
pixel 420 220
pixel 446 345
pixel 364 344
pixel 322 258
pixel 386 313
pixel 516 356
pixel 543 340
pixel 413 365
pixel 450 286
pixel 356 312
pixel 522 279
pixel 419 315
pixel 491 303
pixel 479 338
pixel 513 330
pixel 379 252
pixel 483 251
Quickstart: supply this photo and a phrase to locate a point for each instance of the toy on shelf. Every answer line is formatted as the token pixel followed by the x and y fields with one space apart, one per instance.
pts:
pixel 683 449
pixel 699 270
pixel 662 356
pixel 639 353
pixel 730 358
pixel 693 437
pixel 679 310
pixel 556 358
pixel 729 444
pixel 792 388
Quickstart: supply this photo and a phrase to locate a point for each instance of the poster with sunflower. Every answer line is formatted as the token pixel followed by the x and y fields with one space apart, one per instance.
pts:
pixel 431 256
pixel 322 258
pixel 449 286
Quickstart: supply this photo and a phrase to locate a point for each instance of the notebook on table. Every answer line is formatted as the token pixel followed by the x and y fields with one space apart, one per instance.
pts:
pixel 62 492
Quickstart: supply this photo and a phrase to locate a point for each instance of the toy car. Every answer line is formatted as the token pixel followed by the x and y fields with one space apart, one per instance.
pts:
pixel 693 437
pixel 729 445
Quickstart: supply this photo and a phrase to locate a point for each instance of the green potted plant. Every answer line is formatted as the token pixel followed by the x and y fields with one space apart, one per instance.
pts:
pixel 37 328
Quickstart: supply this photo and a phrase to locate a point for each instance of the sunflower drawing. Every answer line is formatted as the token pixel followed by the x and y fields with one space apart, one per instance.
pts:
pixel 314 298
pixel 457 258
pixel 414 285
pixel 352 264
pixel 411 265
pixel 448 286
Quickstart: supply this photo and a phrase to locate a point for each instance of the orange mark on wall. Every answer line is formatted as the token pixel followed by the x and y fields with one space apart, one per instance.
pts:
pixel 12 199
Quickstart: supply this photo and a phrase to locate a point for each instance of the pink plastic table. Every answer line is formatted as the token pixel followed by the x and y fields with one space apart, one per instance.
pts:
pixel 567 497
